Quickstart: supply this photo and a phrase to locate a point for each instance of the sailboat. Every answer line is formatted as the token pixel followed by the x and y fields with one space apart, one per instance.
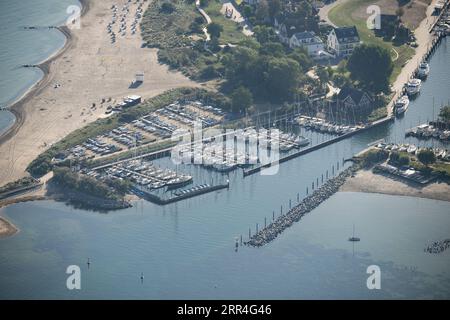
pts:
pixel 353 238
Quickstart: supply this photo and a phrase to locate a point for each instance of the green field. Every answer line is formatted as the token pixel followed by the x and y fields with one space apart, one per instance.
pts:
pixel 231 32
pixel 342 15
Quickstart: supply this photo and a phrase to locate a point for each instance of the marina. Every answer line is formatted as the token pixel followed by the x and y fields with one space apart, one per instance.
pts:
pixel 433 130
pixel 187 217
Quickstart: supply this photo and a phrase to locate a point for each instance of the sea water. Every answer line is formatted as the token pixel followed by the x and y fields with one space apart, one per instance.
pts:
pixel 20 46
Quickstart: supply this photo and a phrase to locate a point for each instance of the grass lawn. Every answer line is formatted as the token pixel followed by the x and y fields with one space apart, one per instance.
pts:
pixel 342 15
pixel 442 166
pixel 231 32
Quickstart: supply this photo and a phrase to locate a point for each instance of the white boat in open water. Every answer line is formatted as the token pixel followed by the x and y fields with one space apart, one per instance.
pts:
pixel 413 86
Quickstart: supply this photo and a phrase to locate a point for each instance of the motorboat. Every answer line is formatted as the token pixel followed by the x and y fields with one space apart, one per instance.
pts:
pixel 401 104
pixel 413 86
pixel 423 70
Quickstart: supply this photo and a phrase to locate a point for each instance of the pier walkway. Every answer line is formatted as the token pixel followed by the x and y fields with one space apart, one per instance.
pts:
pixel 316 147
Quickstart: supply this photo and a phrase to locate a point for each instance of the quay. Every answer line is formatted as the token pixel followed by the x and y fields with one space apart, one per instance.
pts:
pixel 316 147
pixel 271 231
pixel 160 201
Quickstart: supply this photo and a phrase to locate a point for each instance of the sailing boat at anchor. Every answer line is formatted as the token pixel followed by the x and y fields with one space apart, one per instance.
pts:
pixel 353 238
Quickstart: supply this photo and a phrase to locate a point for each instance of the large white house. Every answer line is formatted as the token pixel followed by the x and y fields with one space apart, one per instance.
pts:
pixel 342 41
pixel 308 40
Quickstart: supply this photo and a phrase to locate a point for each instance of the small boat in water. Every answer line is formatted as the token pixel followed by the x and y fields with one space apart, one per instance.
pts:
pixel 413 86
pixel 401 105
pixel 423 70
pixel 353 238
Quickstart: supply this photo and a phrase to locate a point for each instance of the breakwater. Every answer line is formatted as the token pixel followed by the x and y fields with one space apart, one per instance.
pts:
pixel 438 246
pixel 271 231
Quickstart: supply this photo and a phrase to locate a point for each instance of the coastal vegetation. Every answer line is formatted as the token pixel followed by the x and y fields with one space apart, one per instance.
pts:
pixel 175 33
pixel 21 183
pixel 426 157
pixel 110 190
pixel 424 161
pixel 372 157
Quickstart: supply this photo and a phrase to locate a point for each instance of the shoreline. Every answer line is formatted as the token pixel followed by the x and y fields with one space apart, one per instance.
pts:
pixel 17 107
pixel 365 181
pixel 7 229
pixel 91 72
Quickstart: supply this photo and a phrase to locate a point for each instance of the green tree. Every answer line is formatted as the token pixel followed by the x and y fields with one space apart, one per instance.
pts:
pixel 340 80
pixel 426 156
pixel 301 56
pixel 372 66
pixel 274 49
pixel 241 99
pixel 283 77
pixel 262 10
pixel 264 34
pixel 444 114
pixel 167 7
pixel 274 8
pixel 323 75
pixel 214 29
pixel 403 160
pixel 247 11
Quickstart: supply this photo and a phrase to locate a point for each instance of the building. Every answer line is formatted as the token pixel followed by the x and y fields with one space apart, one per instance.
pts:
pixel 342 41
pixel 308 40
pixel 351 98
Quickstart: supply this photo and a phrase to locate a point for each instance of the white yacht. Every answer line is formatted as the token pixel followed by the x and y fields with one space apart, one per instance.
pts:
pixel 401 104
pixel 413 86
pixel 424 70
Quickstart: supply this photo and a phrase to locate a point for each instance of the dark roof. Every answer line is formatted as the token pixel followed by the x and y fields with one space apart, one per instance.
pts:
pixel 355 94
pixel 304 35
pixel 346 32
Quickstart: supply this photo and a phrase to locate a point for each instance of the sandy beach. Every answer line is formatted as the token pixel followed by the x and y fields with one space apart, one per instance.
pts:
pixel 88 69
pixel 366 181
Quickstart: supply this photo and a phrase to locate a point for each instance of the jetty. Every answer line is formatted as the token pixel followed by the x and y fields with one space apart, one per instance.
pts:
pixel 310 202
pixel 193 192
pixel 316 147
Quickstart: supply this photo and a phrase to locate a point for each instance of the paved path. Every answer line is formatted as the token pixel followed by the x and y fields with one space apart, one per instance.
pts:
pixel 236 17
pixel 323 12
pixel 207 18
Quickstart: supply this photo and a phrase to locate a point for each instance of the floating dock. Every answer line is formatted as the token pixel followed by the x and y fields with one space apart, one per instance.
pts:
pixel 160 201
pixel 316 147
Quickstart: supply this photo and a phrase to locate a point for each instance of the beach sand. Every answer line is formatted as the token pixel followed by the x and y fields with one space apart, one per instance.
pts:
pixel 367 181
pixel 6 228
pixel 88 69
